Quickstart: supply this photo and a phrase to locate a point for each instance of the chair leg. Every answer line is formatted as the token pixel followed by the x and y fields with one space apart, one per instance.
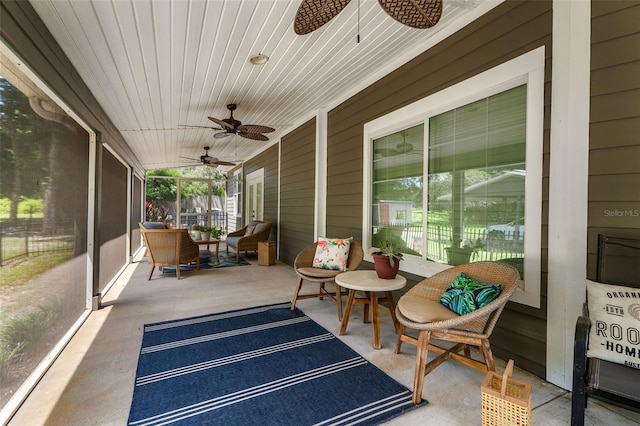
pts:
pixel 421 362
pixel 467 351
pixel 178 270
pixel 320 291
pixel 400 331
pixel 198 263
pixel 488 356
pixel 151 271
pixel 295 293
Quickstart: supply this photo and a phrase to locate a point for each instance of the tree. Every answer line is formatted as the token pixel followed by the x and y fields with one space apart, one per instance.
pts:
pixel 20 148
pixel 162 190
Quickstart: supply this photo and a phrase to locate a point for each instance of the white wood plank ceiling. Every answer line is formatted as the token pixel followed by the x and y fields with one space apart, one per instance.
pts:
pixel 157 65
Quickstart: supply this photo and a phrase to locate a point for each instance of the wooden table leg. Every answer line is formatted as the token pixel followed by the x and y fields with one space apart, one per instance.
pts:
pixel 376 320
pixel 217 243
pixel 347 312
pixel 367 302
pixel 392 307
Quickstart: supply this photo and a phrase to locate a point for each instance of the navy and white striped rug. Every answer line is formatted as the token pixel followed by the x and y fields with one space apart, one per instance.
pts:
pixel 266 365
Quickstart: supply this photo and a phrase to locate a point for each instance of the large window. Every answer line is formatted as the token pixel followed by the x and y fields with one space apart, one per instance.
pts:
pixel 476 175
pixel 456 177
pixel 398 190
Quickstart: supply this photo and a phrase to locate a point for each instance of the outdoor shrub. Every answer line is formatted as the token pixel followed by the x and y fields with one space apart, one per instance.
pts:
pixel 30 206
pixel 5 205
pixel 24 332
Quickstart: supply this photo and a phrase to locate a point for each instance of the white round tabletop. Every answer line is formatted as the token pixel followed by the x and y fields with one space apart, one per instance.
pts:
pixel 369 281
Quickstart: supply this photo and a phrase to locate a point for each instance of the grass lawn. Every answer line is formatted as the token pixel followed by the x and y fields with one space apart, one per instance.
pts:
pixel 20 271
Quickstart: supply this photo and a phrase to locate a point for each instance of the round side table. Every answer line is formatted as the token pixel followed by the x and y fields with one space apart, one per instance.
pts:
pixel 369 282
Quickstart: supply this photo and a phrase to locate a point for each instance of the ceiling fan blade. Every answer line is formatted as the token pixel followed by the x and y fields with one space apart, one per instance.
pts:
pixel 189 158
pixel 386 152
pixel 224 163
pixel 189 126
pixel 414 13
pixel 222 135
pixel 254 128
pixel 254 136
pixel 312 14
pixel 221 123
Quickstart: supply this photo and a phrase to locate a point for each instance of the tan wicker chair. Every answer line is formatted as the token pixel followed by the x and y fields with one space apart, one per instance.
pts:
pixel 170 247
pixel 303 267
pixel 240 241
pixel 472 329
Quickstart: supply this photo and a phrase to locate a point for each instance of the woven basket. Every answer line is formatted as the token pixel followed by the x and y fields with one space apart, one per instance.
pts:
pixel 505 401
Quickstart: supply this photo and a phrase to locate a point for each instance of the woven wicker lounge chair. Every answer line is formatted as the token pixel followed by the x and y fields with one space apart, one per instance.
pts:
pixel 434 321
pixel 247 238
pixel 170 247
pixel 306 272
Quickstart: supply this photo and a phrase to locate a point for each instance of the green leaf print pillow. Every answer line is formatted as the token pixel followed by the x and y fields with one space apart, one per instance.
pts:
pixel 465 294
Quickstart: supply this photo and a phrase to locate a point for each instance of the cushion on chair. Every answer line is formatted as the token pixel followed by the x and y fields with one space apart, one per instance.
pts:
pixel 465 294
pixel 249 230
pixel 259 227
pixel 317 272
pixel 614 378
pixel 332 253
pixel 233 241
pixel 422 310
pixel 614 311
pixel 154 225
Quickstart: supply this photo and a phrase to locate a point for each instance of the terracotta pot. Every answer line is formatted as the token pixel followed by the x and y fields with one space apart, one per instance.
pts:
pixel 383 268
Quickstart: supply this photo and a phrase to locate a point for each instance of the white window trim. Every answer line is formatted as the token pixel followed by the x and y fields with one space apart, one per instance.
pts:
pixel 527 68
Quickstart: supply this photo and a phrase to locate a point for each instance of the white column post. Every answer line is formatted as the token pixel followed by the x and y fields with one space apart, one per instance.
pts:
pixel 320 218
pixel 568 181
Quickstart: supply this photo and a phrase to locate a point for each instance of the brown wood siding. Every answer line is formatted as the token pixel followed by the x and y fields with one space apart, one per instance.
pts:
pixel 112 222
pixel 297 190
pixel 614 146
pixel 267 160
pixel 510 30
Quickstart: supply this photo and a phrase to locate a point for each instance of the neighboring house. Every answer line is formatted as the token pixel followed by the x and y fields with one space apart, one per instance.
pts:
pixel 581 180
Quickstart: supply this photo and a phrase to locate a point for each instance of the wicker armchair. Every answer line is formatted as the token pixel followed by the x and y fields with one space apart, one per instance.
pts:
pixel 242 240
pixel 437 322
pixel 167 247
pixel 303 267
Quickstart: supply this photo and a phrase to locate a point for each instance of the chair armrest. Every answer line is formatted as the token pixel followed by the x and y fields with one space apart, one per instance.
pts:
pixel 580 347
pixel 260 236
pixel 238 233
pixel 580 370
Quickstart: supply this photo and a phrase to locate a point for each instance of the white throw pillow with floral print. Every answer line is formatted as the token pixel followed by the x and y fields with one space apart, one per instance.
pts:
pixel 332 253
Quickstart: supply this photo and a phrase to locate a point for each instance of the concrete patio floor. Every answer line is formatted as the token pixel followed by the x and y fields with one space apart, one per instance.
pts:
pixel 91 382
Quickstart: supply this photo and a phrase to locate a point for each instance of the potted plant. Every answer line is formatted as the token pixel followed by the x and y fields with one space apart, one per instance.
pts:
pixel 463 252
pixel 206 233
pixel 387 260
pixel 215 231
pixel 197 232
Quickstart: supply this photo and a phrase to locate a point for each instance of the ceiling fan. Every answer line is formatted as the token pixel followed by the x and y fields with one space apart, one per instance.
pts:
pixel 231 126
pixel 312 14
pixel 207 160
